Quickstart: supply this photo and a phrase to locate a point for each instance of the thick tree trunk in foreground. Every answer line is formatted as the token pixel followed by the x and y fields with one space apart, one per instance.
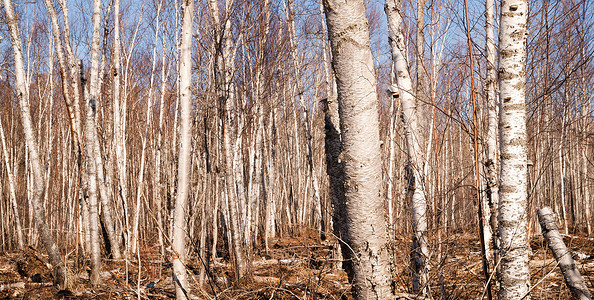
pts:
pixel 61 278
pixel 413 136
pixel 185 148
pixel 513 218
pixel 550 231
pixel 356 83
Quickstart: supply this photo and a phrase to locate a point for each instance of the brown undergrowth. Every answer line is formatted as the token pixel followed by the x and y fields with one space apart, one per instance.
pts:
pixel 302 267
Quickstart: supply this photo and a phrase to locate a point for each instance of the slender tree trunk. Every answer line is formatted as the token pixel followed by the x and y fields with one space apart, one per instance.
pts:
pixel 513 217
pixel 119 123
pixel 61 278
pixel 185 155
pixel 63 72
pixel 422 94
pixel 572 275
pixel 270 211
pixel 158 188
pixel 90 140
pixel 483 225
pixel 366 230
pixel 413 137
pixel 149 113
pixel 304 116
pixel 491 164
pixel 231 139
pixel 11 187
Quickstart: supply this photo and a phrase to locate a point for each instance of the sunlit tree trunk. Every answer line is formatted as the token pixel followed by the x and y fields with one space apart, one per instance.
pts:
pixel 422 93
pixel 61 278
pixel 491 163
pixel 235 195
pixel 304 116
pixel 66 79
pixel 573 278
pixel 513 217
pixel 185 155
pixel 149 113
pixel 158 188
pixel 413 137
pixel 11 187
pixel 119 123
pixel 357 98
pixel 91 99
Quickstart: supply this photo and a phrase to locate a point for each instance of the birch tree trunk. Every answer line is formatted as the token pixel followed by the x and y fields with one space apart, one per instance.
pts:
pixel 572 275
pixel 157 189
pixel 185 149
pixel 357 99
pixel 61 278
pixel 118 123
pixel 67 78
pixel 63 72
pixel 149 113
pixel 90 140
pixel 304 114
pixel 422 93
pixel 231 140
pixel 413 137
pixel 11 186
pixel 491 164
pixel 513 217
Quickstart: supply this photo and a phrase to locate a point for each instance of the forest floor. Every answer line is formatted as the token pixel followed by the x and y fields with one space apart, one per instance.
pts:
pixel 293 268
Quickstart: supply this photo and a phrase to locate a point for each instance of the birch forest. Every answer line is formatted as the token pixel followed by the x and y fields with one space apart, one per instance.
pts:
pixel 296 149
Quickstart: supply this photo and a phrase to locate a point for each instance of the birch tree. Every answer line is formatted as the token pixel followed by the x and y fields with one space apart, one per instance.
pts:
pixel 11 187
pixel 410 117
pixel 235 193
pixel 185 155
pixel 91 100
pixel 491 163
pixel 119 107
pixel 357 98
pixel 61 278
pixel 513 218
pixel 573 278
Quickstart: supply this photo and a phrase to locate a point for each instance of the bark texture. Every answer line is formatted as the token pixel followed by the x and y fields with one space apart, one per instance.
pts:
pixel 185 155
pixel 413 137
pixel 61 278
pixel 513 224
pixel 357 99
pixel 572 275
pixel 492 191
pixel 91 138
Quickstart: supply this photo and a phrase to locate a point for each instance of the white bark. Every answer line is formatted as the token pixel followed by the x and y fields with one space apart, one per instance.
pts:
pixel 304 115
pixel 572 275
pixel 11 187
pixel 119 107
pixel 185 149
pixel 159 186
pixel 491 163
pixel 513 224
pixel 357 98
pixel 92 97
pixel 149 113
pixel 413 136
pixel 61 278
pixel 235 195
pixel 63 72
pixel 270 213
